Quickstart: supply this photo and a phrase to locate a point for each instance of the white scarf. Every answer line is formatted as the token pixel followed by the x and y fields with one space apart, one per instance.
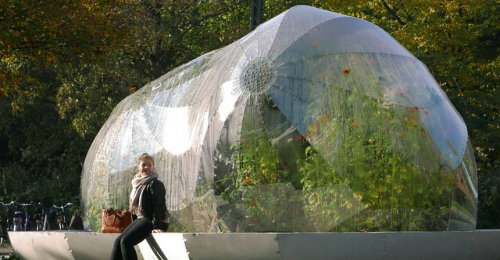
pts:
pixel 138 185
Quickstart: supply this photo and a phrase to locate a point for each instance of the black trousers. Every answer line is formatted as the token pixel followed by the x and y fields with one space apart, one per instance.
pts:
pixel 123 248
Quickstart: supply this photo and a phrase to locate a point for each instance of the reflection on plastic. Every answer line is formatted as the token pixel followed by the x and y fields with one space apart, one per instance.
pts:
pixel 314 122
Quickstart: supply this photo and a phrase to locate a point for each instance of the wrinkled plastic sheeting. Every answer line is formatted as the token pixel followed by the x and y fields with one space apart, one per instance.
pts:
pixel 307 73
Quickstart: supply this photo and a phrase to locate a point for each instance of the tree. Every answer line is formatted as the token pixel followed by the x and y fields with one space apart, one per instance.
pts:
pixel 64 65
pixel 43 153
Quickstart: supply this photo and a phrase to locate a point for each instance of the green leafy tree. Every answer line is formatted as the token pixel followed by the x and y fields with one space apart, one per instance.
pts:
pixel 64 65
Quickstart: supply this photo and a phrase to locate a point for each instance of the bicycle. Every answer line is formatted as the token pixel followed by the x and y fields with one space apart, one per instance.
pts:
pixel 39 217
pixel 26 226
pixel 61 216
pixel 46 212
pixel 17 221
pixel 5 223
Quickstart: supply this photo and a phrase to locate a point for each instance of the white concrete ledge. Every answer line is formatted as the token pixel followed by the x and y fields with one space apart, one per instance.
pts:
pixel 481 244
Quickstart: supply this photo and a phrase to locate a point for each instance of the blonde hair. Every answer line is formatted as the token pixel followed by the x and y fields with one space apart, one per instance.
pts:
pixel 146 156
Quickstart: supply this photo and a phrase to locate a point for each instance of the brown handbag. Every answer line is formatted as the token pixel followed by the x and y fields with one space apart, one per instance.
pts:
pixel 115 221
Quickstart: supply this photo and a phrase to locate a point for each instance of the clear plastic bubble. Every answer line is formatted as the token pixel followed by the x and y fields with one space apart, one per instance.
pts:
pixel 314 122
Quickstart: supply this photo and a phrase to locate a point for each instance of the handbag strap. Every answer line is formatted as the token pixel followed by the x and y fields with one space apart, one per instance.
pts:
pixel 114 219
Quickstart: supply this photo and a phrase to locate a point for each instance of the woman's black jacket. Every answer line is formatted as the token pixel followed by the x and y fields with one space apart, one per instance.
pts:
pixel 153 204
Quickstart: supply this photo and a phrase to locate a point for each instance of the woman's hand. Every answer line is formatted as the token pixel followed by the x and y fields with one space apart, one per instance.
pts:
pixel 157 231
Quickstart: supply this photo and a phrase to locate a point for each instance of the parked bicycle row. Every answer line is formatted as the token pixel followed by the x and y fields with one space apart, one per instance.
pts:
pixel 34 217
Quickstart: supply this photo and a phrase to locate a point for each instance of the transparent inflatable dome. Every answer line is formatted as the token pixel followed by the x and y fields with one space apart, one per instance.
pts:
pixel 313 122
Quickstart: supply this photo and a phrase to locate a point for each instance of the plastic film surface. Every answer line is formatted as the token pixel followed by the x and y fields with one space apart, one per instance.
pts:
pixel 314 122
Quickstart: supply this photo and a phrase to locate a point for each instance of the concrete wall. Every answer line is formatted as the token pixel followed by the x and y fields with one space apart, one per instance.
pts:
pixel 483 244
pixel 40 245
